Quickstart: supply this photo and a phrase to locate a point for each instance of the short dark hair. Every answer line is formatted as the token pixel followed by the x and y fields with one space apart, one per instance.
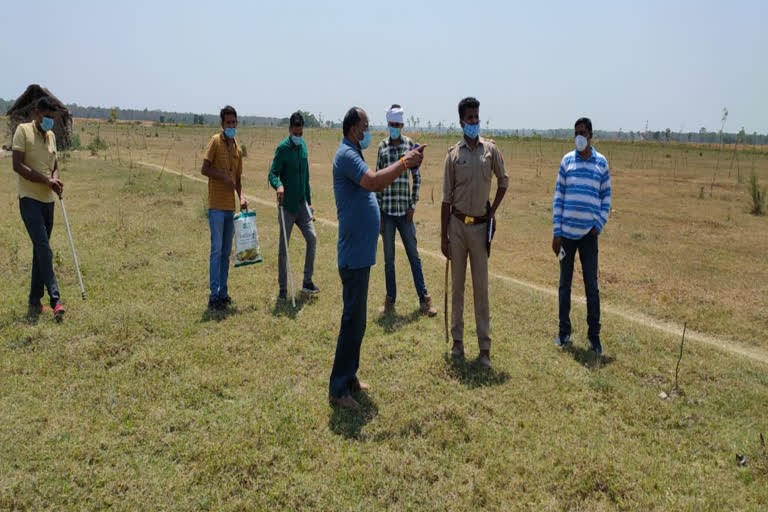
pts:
pixel 395 105
pixel 585 121
pixel 45 104
pixel 351 118
pixel 229 110
pixel 296 119
pixel 466 103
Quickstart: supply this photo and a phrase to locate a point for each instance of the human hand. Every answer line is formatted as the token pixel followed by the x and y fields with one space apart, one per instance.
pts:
pixel 409 215
pixel 57 185
pixel 243 203
pixel 556 243
pixel 280 194
pixel 414 157
pixel 445 247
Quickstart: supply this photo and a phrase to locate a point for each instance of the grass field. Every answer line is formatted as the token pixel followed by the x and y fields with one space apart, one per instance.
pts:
pixel 680 244
pixel 142 400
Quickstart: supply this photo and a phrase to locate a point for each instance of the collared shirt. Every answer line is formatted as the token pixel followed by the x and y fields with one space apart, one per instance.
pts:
pixel 290 168
pixel 468 174
pixel 398 197
pixel 582 195
pixel 356 207
pixel 229 161
pixel 40 155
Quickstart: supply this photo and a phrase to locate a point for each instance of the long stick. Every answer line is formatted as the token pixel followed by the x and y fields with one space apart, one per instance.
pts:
pixel 72 245
pixel 445 299
pixel 287 256
pixel 677 368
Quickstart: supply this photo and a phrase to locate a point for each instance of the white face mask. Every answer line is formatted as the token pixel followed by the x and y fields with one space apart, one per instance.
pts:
pixel 581 143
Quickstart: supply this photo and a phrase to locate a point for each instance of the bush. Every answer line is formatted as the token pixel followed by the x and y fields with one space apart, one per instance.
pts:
pixel 97 145
pixel 757 195
pixel 75 144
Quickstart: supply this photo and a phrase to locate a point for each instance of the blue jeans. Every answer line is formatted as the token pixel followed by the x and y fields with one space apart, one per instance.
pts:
pixel 408 235
pixel 222 226
pixel 587 247
pixel 38 219
pixel 355 293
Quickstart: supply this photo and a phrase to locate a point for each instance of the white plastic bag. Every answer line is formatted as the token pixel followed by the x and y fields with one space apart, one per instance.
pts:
pixel 246 239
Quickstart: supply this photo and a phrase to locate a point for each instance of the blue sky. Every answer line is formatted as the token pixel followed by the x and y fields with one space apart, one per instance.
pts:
pixel 674 64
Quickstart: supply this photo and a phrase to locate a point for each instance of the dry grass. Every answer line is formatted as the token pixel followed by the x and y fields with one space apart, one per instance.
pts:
pixel 141 400
pixel 665 252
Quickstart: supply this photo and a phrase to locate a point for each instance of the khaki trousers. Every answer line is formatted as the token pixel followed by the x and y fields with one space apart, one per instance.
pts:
pixel 469 240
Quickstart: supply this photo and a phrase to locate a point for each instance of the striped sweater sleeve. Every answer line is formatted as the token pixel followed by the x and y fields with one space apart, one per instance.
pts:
pixel 558 202
pixel 605 198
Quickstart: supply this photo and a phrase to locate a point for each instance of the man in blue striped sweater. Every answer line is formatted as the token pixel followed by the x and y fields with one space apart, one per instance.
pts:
pixel 580 210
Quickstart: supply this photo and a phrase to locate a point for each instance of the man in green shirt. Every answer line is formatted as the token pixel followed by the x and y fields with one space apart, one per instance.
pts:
pixel 289 176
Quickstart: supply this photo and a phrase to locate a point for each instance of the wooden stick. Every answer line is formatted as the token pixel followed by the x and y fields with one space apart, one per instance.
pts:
pixel 445 299
pixel 677 369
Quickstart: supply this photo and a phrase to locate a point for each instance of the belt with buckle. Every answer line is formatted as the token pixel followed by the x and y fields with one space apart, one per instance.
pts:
pixel 468 219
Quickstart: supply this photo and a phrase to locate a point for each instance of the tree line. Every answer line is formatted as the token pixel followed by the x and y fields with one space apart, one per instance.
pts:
pixel 312 121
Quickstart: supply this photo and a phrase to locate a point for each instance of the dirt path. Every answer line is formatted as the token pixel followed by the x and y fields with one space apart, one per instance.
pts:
pixel 671 328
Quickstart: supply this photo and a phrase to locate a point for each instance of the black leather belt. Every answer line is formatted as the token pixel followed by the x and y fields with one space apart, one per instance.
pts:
pixel 468 219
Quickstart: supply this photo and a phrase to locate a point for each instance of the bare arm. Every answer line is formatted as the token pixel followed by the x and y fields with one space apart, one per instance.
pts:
pixel 27 172
pixel 445 215
pixel 212 173
pixel 381 179
pixel 31 174
pixel 239 190
pixel 497 200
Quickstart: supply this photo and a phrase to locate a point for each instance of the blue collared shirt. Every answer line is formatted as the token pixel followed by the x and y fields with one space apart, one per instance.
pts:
pixel 357 209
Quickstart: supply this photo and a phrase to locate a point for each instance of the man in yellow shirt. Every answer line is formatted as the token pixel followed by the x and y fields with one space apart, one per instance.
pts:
pixel 223 165
pixel 38 183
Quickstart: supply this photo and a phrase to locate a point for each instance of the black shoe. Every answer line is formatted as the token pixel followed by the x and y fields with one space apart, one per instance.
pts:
pixel 225 302
pixel 596 347
pixel 34 310
pixel 562 340
pixel 214 304
pixel 309 288
pixel 282 296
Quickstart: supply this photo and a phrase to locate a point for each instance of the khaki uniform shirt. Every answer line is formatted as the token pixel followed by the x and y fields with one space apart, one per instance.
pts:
pixel 228 161
pixel 39 154
pixel 468 174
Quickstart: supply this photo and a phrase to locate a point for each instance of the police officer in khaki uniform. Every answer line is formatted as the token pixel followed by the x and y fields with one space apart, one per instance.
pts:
pixel 466 222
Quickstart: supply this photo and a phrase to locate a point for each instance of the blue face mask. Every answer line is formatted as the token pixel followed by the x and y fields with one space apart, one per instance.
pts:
pixel 296 140
pixel 394 133
pixel 230 132
pixel 472 130
pixel 47 124
pixel 366 140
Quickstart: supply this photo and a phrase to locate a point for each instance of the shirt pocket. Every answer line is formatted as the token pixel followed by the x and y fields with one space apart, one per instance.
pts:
pixel 463 174
pixel 486 164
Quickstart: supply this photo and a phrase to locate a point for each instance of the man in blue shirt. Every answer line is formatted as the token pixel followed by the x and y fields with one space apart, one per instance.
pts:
pixel 354 187
pixel 580 210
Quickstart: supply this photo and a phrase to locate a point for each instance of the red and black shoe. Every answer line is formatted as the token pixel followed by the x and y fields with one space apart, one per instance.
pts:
pixel 58 312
